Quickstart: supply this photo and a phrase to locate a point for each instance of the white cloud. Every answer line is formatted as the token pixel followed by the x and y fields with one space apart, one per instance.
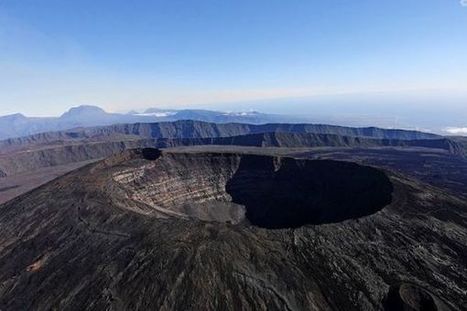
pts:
pixel 456 130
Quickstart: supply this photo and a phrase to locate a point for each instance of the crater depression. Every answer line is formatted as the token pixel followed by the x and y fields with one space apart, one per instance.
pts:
pixel 265 191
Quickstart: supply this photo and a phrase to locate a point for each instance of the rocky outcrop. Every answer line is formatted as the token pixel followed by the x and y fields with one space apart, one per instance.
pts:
pixel 104 238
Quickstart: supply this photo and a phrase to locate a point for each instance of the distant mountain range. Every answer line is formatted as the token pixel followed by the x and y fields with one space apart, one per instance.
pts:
pixel 18 125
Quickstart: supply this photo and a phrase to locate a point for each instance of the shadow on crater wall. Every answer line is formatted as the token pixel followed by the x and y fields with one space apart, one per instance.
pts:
pixel 151 153
pixel 302 192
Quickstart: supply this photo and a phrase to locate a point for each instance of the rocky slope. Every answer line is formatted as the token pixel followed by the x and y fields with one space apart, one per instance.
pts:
pixel 219 231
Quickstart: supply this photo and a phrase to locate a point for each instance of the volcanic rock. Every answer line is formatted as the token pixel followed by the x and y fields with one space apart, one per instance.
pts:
pixel 150 229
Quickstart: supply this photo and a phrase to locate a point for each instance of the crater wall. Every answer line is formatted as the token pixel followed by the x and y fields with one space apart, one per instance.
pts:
pixel 264 191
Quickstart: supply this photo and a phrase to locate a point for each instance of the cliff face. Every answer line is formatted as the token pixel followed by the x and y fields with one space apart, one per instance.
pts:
pixel 23 154
pixel 302 140
pixel 199 129
pixel 171 231
pixel 83 148
pixel 28 162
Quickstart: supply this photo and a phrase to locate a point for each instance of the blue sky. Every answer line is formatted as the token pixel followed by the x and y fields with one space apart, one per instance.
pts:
pixel 359 58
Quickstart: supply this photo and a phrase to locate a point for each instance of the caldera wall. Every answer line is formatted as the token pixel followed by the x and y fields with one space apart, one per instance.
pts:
pixel 264 191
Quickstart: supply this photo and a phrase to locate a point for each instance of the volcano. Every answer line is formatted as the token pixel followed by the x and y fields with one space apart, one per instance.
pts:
pixel 174 230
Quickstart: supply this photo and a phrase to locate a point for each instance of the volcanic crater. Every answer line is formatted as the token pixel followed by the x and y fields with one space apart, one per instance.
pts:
pixel 264 191
pixel 147 229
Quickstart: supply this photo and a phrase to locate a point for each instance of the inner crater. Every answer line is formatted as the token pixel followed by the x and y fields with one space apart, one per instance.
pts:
pixel 264 191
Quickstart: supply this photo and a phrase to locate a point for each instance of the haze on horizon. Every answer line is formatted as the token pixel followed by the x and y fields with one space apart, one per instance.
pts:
pixel 390 63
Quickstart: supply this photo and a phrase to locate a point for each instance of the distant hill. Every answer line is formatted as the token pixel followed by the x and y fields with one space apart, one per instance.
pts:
pixel 18 125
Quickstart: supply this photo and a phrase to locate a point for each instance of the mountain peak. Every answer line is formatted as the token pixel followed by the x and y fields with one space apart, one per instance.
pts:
pixel 13 117
pixel 83 110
